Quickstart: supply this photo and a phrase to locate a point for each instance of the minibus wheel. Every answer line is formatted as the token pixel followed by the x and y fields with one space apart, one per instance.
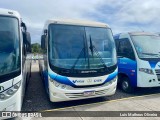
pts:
pixel 126 85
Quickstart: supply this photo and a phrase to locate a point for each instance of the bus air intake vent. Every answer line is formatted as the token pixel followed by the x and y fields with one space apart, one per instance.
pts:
pixel 158 74
pixel 81 95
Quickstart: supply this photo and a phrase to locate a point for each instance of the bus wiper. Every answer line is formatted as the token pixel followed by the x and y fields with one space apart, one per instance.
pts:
pixel 2 52
pixel 91 45
pixel 150 54
pixel 78 58
pixel 93 49
pixel 83 50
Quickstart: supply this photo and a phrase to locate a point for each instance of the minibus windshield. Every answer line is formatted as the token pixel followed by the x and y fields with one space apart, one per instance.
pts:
pixel 147 46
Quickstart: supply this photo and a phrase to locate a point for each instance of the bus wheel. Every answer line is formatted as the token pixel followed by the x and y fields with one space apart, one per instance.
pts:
pixel 126 85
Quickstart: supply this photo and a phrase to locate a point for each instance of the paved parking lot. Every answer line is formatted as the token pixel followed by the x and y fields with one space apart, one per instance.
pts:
pixel 140 108
pixel 37 100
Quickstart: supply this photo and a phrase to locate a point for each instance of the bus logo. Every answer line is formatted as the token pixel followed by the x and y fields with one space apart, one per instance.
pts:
pixel 1 88
pixel 89 80
pixel 78 81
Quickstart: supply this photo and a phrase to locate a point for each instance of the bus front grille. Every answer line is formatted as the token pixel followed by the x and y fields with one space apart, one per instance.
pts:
pixel 158 74
pixel 157 71
pixel 81 95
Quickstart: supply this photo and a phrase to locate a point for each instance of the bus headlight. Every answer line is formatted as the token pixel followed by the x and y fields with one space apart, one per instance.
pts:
pixel 112 81
pixel 2 96
pixel 145 70
pixel 57 84
pixel 8 93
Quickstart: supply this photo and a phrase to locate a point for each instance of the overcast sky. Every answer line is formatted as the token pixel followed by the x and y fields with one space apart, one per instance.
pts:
pixel 121 15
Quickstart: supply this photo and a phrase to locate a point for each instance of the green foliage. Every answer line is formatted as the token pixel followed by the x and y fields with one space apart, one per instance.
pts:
pixel 36 48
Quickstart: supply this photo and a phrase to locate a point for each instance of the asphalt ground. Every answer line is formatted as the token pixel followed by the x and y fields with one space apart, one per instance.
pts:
pixel 36 98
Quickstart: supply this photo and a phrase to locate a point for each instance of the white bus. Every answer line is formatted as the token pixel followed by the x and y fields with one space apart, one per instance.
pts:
pixel 139 60
pixel 79 60
pixel 14 67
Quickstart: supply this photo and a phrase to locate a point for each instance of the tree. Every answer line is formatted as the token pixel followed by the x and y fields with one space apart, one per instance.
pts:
pixel 36 48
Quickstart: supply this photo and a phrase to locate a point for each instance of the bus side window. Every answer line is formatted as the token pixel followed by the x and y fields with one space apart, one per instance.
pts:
pixel 125 49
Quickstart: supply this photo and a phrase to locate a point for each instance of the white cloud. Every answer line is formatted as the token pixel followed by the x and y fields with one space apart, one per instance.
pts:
pixel 130 15
pixel 122 15
pixel 35 12
pixel 139 14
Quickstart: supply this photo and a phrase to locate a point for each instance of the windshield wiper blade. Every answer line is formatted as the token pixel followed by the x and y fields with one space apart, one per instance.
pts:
pixel 83 50
pixel 2 52
pixel 150 54
pixel 77 58
pixel 91 45
pixel 93 49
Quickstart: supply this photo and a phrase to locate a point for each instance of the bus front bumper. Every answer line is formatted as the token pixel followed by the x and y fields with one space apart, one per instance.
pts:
pixel 147 80
pixel 59 95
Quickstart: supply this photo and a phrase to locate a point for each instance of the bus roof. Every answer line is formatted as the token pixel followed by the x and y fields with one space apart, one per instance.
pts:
pixel 116 36
pixel 75 22
pixel 141 33
pixel 8 12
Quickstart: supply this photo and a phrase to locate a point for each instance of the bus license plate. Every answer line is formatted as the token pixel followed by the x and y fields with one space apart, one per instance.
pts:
pixel 89 93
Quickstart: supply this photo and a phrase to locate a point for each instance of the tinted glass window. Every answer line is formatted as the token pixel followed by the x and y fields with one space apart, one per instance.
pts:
pixel 147 46
pixel 125 49
pixel 9 45
pixel 81 47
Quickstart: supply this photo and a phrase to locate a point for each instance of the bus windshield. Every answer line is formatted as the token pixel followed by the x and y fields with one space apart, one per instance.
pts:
pixel 80 47
pixel 9 45
pixel 147 46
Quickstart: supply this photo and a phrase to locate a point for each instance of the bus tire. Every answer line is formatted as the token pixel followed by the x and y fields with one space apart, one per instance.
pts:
pixel 126 86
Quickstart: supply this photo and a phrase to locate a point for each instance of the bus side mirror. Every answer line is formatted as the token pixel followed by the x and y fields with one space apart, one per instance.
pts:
pixel 28 41
pixel 24 38
pixel 24 43
pixel 43 42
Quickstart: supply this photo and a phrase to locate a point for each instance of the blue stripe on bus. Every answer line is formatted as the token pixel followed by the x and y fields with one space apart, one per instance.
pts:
pixel 65 80
pixel 111 76
pixel 61 79
pixel 127 66
pixel 45 75
pixel 153 64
